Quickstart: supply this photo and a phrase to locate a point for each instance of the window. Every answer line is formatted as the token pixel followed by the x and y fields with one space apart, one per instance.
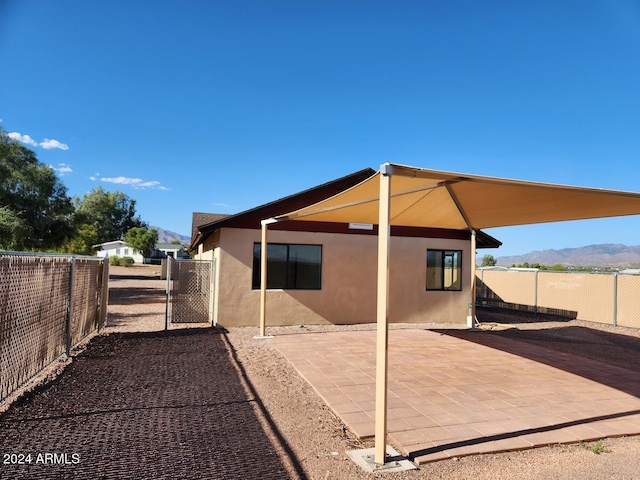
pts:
pixel 289 266
pixel 444 270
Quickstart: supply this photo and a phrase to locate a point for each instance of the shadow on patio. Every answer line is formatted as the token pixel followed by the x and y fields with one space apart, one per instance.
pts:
pixel 592 354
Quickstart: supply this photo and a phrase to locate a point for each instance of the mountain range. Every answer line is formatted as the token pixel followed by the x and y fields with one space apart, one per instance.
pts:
pixel 167 236
pixel 608 254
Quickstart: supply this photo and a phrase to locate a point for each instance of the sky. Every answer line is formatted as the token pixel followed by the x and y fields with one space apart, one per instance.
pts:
pixel 220 106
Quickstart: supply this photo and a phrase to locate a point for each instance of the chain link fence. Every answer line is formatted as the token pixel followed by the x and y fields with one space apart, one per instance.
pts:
pixel 189 291
pixel 610 298
pixel 48 305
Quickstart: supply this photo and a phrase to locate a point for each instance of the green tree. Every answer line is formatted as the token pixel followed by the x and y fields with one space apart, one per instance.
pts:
pixel 12 229
pixel 111 213
pixel 489 261
pixel 142 239
pixel 82 242
pixel 36 210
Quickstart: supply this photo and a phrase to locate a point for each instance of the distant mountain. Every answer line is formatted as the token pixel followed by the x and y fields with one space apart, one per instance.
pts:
pixel 166 236
pixel 608 254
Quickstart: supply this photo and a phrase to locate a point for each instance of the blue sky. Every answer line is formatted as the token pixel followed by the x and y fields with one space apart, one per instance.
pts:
pixel 220 106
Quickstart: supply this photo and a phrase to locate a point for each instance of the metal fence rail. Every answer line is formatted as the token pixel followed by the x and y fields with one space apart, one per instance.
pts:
pixel 48 304
pixel 610 298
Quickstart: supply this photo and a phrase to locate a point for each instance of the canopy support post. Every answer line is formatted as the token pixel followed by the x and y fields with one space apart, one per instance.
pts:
pixel 471 315
pixel 263 278
pixel 384 236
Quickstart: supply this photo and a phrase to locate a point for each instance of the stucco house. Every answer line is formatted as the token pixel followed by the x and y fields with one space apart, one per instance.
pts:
pixel 118 248
pixel 324 272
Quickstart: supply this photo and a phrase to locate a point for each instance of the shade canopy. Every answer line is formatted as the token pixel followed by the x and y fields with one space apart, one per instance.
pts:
pixel 416 197
pixel 430 198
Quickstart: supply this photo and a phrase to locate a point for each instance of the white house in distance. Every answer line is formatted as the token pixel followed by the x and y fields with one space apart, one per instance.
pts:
pixel 174 250
pixel 118 248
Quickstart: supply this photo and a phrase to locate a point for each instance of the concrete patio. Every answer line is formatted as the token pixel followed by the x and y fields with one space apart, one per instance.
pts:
pixel 454 392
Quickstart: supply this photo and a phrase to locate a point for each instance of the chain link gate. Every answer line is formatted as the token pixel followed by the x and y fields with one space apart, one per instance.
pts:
pixel 189 291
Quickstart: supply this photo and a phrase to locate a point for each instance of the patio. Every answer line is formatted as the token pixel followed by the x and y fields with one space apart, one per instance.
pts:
pixel 454 393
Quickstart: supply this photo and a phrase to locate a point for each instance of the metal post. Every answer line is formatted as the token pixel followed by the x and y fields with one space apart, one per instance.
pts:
pixel 168 292
pixel 535 292
pixel 69 307
pixel 382 314
pixel 212 290
pixel 263 280
pixel 104 295
pixel 471 318
pixel 615 299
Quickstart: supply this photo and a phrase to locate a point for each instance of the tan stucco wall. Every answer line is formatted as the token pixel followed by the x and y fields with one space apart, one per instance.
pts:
pixel 348 294
pixel 589 296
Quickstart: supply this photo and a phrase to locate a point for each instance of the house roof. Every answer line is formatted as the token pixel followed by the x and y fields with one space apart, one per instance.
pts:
pixel 169 246
pixel 251 218
pixel 201 218
pixel 106 245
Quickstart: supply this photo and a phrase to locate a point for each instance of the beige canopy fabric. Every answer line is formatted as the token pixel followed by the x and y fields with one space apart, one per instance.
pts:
pixel 429 198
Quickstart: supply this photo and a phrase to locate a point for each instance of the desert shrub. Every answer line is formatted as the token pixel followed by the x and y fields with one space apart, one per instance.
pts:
pixel 127 261
pixel 115 260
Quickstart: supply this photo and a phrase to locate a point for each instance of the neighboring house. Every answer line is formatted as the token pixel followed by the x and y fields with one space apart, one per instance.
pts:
pixel 173 250
pixel 118 248
pixel 320 272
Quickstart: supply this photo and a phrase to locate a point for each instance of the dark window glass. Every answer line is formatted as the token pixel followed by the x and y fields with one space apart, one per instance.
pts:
pixel 444 270
pixel 289 266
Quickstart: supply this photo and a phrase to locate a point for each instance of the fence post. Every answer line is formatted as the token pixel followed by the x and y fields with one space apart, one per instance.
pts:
pixel 104 294
pixel 535 293
pixel 615 299
pixel 166 311
pixel 212 290
pixel 69 307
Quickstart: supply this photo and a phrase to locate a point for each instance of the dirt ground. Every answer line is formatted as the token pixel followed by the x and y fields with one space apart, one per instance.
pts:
pixel 295 425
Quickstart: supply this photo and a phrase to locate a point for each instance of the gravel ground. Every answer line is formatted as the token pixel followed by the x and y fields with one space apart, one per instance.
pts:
pixel 312 443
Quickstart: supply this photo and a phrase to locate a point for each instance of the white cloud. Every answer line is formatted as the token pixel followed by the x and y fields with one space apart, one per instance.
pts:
pixel 47 144
pixel 134 182
pixel 62 168
pixel 22 138
pixel 50 143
